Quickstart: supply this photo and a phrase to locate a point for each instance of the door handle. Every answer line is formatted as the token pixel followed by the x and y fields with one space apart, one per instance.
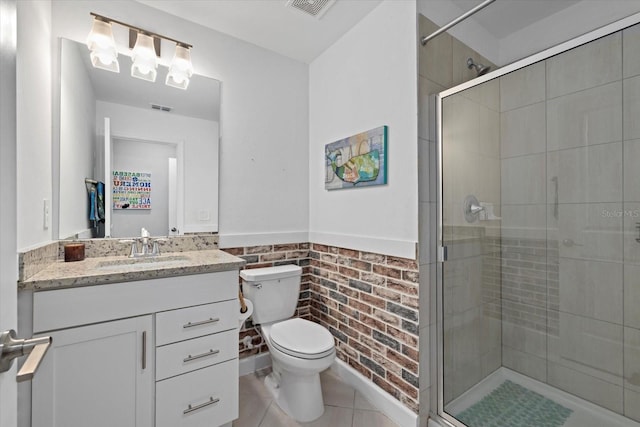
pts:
pixel 11 348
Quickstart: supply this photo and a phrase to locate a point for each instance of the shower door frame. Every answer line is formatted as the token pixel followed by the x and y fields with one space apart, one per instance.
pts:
pixel 437 354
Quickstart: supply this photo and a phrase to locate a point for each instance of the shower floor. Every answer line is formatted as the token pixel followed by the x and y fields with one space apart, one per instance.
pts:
pixel 585 414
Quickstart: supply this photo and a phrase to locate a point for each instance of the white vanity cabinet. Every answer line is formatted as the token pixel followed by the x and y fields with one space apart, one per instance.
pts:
pixel 158 352
pixel 99 375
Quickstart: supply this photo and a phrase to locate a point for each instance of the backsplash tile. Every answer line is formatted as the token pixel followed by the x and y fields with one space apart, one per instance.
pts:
pixel 36 260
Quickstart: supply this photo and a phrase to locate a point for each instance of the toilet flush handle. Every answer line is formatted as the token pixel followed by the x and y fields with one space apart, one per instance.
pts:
pixel 257 285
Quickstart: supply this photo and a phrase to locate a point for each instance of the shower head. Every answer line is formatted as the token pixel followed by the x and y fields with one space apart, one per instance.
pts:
pixel 480 69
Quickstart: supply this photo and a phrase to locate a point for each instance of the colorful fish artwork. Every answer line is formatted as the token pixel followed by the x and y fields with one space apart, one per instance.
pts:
pixel 357 161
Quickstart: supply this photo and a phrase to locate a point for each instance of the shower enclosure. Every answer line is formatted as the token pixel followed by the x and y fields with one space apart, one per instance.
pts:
pixel 538 295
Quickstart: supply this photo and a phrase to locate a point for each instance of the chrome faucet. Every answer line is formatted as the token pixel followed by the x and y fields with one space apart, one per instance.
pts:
pixel 149 247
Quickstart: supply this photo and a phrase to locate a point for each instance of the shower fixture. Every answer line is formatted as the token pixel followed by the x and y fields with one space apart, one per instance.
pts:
pixel 480 69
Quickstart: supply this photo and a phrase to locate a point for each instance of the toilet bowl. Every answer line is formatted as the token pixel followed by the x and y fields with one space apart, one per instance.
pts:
pixel 300 349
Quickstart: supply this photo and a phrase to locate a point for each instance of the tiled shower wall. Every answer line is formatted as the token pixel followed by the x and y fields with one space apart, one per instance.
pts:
pixel 369 302
pixel 571 262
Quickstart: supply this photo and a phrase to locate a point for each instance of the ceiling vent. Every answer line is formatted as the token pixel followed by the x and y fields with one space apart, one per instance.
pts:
pixel 161 107
pixel 315 8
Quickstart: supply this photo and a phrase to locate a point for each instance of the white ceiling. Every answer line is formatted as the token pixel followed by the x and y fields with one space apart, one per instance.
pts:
pixel 270 24
pixel 505 17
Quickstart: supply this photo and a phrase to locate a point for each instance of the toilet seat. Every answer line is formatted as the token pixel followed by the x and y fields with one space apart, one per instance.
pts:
pixel 302 338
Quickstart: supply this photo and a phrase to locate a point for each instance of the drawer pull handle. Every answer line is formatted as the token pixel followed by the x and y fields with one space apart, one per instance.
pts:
pixel 191 408
pixel 203 322
pixel 191 358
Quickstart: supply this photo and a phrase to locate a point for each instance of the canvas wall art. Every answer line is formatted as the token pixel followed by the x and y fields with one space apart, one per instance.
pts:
pixel 357 161
pixel 131 190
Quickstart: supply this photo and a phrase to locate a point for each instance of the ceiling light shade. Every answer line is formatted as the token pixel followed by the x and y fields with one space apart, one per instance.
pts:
pixel 144 58
pixel 103 47
pixel 101 35
pixel 181 68
pixel 105 59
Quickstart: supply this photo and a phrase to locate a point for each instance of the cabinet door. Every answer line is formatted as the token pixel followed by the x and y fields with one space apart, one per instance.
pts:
pixel 95 376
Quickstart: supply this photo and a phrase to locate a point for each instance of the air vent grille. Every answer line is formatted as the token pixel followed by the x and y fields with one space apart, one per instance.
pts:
pixel 315 8
pixel 161 107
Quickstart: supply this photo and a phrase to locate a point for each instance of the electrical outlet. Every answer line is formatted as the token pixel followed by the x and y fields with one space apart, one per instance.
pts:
pixel 46 211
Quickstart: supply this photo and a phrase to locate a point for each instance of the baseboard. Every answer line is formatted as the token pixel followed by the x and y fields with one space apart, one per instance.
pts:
pixel 382 400
pixel 399 248
pixel 257 239
pixel 251 364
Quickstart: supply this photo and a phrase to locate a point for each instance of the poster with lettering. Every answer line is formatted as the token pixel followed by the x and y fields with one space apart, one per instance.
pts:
pixel 131 190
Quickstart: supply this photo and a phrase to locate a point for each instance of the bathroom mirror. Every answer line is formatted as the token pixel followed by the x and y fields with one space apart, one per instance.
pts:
pixel 156 146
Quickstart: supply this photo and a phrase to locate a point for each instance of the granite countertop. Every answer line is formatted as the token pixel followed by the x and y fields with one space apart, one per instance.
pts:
pixel 115 269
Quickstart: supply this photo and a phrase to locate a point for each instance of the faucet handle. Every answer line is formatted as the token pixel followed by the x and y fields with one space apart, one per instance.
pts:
pixel 134 247
pixel 156 247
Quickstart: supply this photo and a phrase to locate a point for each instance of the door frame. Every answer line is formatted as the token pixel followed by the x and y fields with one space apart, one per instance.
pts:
pixel 8 195
pixel 179 146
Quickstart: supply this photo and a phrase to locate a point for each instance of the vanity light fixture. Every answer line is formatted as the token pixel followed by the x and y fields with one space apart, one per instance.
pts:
pixel 145 47
pixel 181 68
pixel 102 46
pixel 145 61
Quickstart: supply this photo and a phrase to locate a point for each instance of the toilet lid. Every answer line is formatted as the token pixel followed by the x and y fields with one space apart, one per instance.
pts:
pixel 302 338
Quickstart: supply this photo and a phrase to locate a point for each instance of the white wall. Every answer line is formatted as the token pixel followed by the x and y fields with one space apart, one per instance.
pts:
pixel 367 79
pixel 78 134
pixel 138 156
pixel 33 120
pixel 264 119
pixel 199 138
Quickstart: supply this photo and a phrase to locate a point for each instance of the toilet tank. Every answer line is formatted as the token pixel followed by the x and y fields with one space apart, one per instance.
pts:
pixel 274 291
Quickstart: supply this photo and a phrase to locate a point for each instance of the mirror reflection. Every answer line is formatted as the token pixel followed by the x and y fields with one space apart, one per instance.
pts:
pixel 135 154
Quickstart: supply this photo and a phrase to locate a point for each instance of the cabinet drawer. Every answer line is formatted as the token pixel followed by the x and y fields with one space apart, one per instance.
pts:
pixel 197 353
pixel 207 397
pixel 192 322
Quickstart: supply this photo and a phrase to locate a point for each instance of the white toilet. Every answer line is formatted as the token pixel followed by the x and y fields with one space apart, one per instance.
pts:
pixel 299 349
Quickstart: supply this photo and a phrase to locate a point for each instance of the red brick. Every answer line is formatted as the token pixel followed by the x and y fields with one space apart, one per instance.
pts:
pixel 360 327
pixel 370 299
pixel 387 294
pixel 329 258
pixel 234 251
pixel 393 391
pixel 387 271
pixel 404 287
pixel 404 263
pixel 287 247
pixel 402 336
pixel 320 248
pixel 349 272
pixel 297 254
pixel 278 256
pixel 361 307
pixel 386 363
pixel 386 317
pixel 374 323
pixel 261 265
pixel 411 353
pixel 350 332
pixel 404 386
pixel 363 349
pixel 358 367
pixel 352 293
pixel 411 276
pixel 403 361
pixel 350 253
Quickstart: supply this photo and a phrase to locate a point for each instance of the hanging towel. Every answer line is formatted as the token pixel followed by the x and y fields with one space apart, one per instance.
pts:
pixel 100 201
pixel 92 203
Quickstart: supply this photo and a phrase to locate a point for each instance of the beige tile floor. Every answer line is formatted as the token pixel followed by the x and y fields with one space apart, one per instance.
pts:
pixel 344 406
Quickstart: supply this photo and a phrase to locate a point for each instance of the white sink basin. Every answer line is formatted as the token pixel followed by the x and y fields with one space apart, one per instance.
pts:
pixel 143 263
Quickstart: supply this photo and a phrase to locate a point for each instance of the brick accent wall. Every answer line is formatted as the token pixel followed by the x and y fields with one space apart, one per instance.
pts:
pixel 369 302
pixel 269 256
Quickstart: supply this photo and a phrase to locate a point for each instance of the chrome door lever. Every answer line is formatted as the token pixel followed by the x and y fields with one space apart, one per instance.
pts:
pixel 11 348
